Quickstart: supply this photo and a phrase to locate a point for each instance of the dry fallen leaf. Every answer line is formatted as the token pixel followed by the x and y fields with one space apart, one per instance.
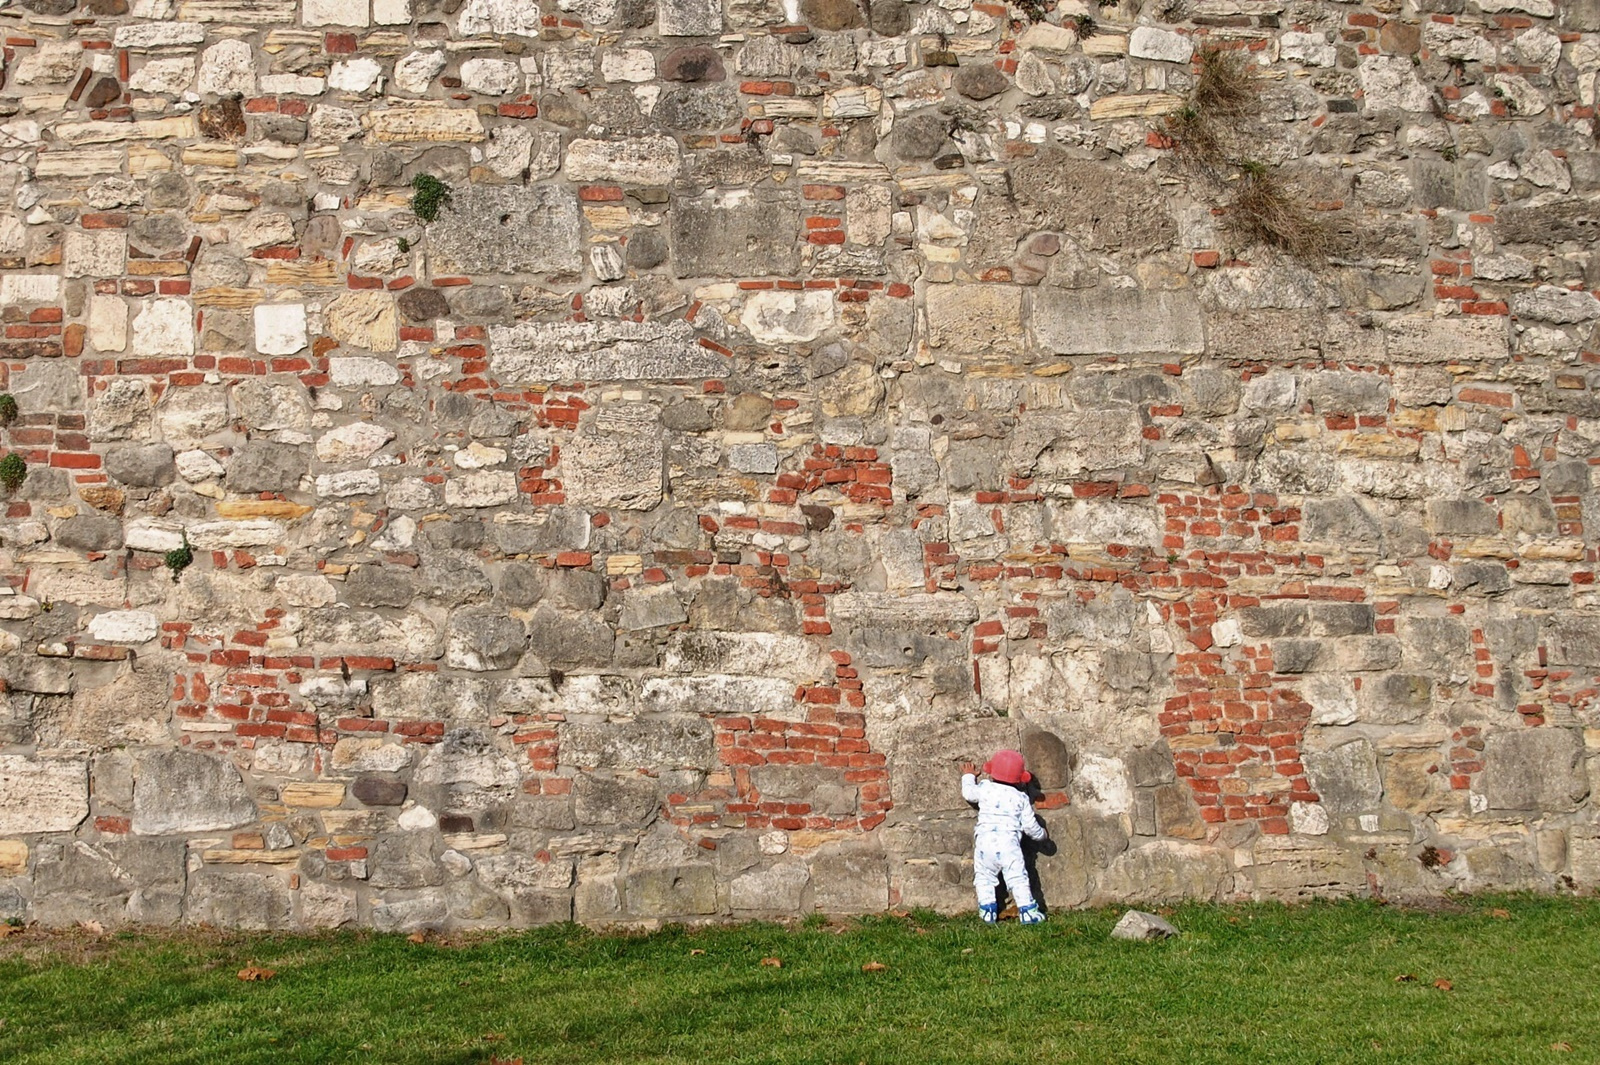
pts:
pixel 9 930
pixel 772 963
pixel 1504 915
pixel 874 967
pixel 493 1037
pixel 695 951
pixel 1563 1046
pixel 94 928
pixel 504 1061
pixel 417 937
pixel 967 950
pixel 1405 978
pixel 1444 985
pixel 253 973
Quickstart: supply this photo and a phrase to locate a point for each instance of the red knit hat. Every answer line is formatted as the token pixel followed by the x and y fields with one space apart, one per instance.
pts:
pixel 1006 767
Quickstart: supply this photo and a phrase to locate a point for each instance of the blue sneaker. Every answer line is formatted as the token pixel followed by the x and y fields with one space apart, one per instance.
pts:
pixel 1030 915
pixel 989 912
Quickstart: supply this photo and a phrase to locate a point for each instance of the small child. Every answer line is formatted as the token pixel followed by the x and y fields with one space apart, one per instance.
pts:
pixel 1005 815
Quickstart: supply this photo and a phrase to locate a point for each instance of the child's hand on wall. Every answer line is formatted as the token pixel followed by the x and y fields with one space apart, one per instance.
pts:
pixel 969 768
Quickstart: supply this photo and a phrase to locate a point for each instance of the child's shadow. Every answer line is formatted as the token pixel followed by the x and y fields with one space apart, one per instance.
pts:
pixel 1032 849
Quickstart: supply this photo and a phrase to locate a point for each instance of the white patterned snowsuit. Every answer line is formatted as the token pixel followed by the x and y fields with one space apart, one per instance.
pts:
pixel 1005 815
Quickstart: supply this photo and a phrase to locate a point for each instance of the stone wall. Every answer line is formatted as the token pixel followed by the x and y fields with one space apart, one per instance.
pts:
pixel 790 401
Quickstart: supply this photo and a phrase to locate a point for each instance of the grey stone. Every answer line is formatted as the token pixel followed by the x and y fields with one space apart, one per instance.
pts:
pixel 90 532
pixel 265 467
pixel 979 80
pixel 1534 769
pixel 466 772
pixel 676 742
pixel 1136 924
pixel 778 889
pixel 1462 517
pixel 422 304
pixel 614 800
pixel 184 791
pixel 1345 777
pixel 675 891
pixel 378 791
pixel 1047 758
pixel 113 882
pixel 824 790
pixel 374 585
pixel 249 901
pixel 142 465
pixel 601 351
pixel 483 642
pixel 570 641
pixel 1109 321
pixel 735 233
pixel 536 230
pixel 850 882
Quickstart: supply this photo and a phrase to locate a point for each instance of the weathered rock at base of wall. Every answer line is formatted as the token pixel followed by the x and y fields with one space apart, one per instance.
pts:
pixel 788 403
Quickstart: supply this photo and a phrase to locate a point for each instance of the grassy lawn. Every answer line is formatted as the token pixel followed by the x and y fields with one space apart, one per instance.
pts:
pixel 1260 983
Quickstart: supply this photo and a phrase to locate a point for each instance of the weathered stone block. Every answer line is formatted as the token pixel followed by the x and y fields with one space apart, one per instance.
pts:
pixel 42 795
pixel 1534 769
pixel 182 791
pixel 1117 321
pixel 536 230
pixel 735 233
pixel 602 351
pixel 655 742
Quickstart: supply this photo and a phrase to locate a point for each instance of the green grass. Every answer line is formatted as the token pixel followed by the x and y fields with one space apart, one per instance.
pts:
pixel 1258 983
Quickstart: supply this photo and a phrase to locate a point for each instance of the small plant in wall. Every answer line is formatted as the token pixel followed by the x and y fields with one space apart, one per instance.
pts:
pixel 429 195
pixel 13 471
pixel 178 559
pixel 8 408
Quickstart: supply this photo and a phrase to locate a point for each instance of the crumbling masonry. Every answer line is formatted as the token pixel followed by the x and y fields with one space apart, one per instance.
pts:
pixel 789 400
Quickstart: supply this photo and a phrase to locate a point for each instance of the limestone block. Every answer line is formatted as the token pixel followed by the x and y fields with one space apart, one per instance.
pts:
pixel 164 327
pixel 491 77
pixel 536 230
pixel 363 319
pixel 52 63
pixel 1117 321
pixel 228 68
pixel 484 642
pixel 689 18
pixel 650 608
pixel 676 741
pixel 756 654
pixel 133 881
pixel 617 461
pixel 601 351
pixel 184 791
pixel 779 889
pixel 539 892
pixel 244 900
pixel 788 317
pixel 467 772
pixel 42 795
pixel 1534 769
pixel 359 370
pixel 849 882
pixel 423 122
pixel 108 323
pixel 280 328
pixel 674 891
pixel 519 17
pixel 96 253
pixel 355 442
pixel 1547 303
pixel 13 857
pixel 355 75
pixel 1151 42
pixel 415 71
pixel 1389 82
pixel 613 800
pixel 719 693
pixel 735 233
pixel 1165 871
pixel 334 12
pixel 975 320
pixel 486 488
pixel 649 160
pixel 124 626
